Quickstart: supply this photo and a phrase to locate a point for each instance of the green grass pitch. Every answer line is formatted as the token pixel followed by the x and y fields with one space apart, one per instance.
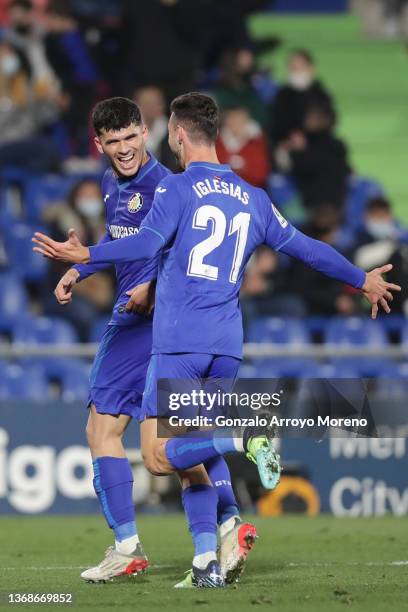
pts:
pixel 299 563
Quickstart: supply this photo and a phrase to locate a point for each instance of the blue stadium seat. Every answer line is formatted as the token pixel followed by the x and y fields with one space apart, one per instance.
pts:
pixel 247 370
pixel 404 337
pixel 98 328
pixel 360 191
pixel 44 330
pixel 278 330
pixel 42 191
pixel 287 367
pixel 13 300
pixel 336 370
pixel 17 382
pixel 355 331
pixel 28 265
pixel 392 383
pixel 75 384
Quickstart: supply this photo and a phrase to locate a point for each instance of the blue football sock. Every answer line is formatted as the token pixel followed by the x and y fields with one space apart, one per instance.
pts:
pixel 113 484
pixel 218 471
pixel 183 453
pixel 200 506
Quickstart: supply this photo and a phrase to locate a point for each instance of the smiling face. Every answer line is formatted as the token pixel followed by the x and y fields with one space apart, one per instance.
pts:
pixel 125 148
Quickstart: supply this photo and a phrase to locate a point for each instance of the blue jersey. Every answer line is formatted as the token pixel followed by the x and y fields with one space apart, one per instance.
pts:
pixel 215 220
pixel 127 204
pixel 210 221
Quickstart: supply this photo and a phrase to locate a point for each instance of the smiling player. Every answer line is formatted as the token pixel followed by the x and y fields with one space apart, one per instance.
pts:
pixel 209 221
pixel 119 370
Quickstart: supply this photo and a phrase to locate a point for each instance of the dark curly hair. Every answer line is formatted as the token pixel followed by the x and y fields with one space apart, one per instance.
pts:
pixel 115 114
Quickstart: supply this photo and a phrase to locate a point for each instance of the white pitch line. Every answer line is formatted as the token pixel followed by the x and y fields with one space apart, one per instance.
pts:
pixel 291 564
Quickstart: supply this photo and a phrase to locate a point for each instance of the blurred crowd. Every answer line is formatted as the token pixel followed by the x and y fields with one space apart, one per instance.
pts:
pixel 59 57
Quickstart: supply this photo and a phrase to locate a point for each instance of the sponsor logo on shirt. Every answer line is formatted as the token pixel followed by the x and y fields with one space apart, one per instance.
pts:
pixel 279 217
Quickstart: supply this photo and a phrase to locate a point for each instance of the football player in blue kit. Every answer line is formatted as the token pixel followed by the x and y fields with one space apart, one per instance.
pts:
pixel 118 375
pixel 207 222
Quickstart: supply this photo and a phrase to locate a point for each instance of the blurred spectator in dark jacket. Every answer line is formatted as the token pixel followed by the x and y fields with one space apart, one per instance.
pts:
pixel 235 87
pixel 301 91
pixel 242 145
pixel 150 100
pixel 70 58
pixel 317 159
pixel 84 211
pixel 27 109
pixel 384 240
pixel 320 294
pixel 160 45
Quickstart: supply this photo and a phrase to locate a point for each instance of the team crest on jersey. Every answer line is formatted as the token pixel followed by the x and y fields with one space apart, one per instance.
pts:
pixel 135 203
pixel 279 217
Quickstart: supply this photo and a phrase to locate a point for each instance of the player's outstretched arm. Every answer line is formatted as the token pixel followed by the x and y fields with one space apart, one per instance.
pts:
pixel 144 245
pixel 326 259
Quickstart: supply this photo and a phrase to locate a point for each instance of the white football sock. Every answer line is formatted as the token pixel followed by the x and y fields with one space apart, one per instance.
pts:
pixel 128 545
pixel 201 561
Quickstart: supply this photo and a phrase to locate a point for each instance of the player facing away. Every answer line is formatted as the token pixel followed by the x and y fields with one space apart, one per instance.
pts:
pixel 207 221
pixel 118 375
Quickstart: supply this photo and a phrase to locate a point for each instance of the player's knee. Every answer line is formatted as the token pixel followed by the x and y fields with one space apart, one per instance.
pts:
pixel 153 463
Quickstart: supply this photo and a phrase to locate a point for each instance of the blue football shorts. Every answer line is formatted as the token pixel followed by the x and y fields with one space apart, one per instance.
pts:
pixel 118 374
pixel 219 372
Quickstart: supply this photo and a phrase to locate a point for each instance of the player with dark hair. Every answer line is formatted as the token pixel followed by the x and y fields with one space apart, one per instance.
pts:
pixel 119 370
pixel 207 222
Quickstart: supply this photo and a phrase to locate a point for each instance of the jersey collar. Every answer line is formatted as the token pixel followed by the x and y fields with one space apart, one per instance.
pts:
pixel 210 166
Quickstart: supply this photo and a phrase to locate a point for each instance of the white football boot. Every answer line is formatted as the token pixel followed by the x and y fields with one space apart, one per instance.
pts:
pixel 235 546
pixel 116 564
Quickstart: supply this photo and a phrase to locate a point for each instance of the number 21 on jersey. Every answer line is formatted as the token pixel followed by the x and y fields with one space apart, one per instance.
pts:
pixel 239 225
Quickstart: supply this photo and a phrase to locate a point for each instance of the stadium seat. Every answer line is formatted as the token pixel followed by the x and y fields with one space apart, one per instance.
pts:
pixel 404 337
pixel 360 191
pixel 98 328
pixel 42 191
pixel 392 383
pixel 13 300
pixel 247 370
pixel 355 331
pixel 44 330
pixel 278 330
pixel 27 264
pixel 281 189
pixel 75 384
pixel 287 367
pixel 17 382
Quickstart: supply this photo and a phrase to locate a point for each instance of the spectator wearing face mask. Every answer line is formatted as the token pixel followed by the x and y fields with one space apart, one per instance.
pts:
pixel 26 113
pixel 301 91
pixel 242 145
pixel 84 211
pixel 384 240
pixel 26 33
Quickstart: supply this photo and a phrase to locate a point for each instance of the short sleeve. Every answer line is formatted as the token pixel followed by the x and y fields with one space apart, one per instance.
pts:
pixel 168 204
pixel 278 230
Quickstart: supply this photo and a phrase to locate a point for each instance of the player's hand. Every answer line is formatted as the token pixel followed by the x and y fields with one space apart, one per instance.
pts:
pixel 63 291
pixel 378 291
pixel 72 250
pixel 141 298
